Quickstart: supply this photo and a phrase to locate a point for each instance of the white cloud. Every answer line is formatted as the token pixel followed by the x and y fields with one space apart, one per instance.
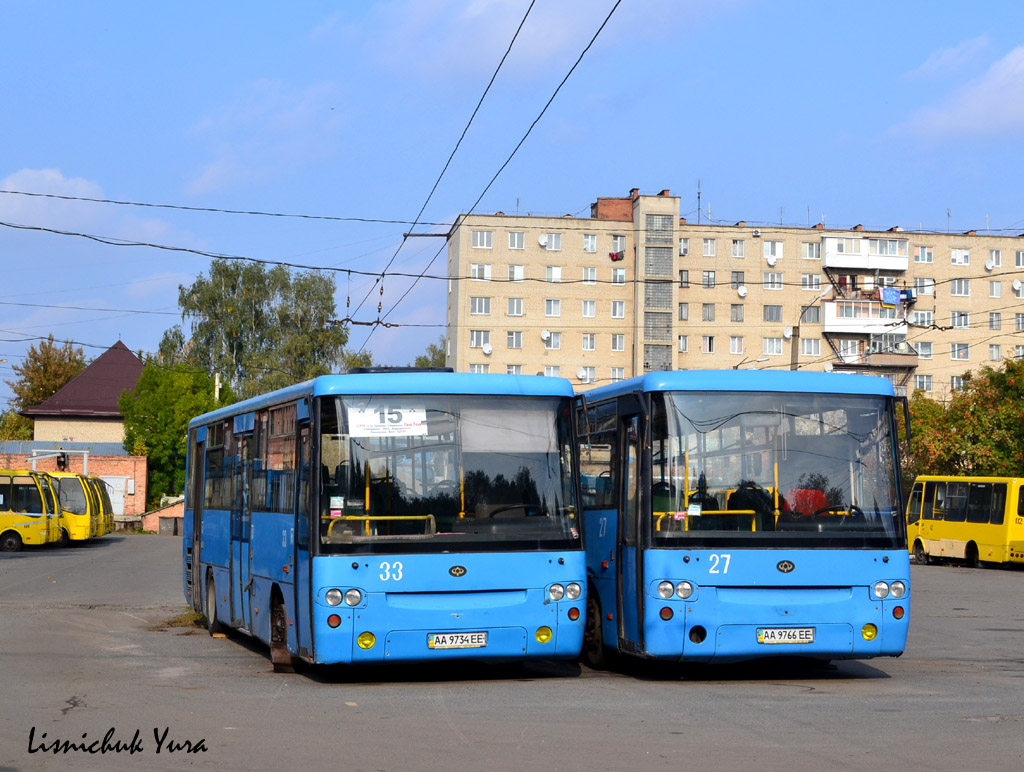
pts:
pixel 266 128
pixel 951 61
pixel 992 104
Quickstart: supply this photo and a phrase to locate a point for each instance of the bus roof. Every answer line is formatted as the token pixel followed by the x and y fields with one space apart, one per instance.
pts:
pixel 748 380
pixel 380 383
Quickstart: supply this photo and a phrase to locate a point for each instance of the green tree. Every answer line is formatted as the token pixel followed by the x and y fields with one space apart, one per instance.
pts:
pixel 434 357
pixel 44 372
pixel 260 328
pixel 156 415
pixel 14 426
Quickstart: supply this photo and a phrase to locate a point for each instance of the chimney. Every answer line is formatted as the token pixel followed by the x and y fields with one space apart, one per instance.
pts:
pixel 682 221
pixel 895 229
pixel 665 193
pixel 857 227
pixel 634 193
pixel 819 226
pixel 741 224
pixel 971 233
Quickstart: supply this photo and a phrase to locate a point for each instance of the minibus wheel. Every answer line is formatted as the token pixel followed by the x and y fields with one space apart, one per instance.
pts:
pixel 919 554
pixel 280 658
pixel 10 541
pixel 213 625
pixel 65 538
pixel 594 653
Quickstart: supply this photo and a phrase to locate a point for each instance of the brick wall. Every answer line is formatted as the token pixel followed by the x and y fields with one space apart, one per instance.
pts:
pixel 133 467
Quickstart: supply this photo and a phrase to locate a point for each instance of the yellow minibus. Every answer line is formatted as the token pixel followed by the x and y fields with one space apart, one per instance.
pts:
pixel 28 511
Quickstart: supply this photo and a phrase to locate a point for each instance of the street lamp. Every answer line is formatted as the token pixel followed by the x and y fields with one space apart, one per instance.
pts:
pixel 748 359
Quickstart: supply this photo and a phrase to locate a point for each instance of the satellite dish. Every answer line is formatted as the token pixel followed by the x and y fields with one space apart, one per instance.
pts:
pixel 545 334
pixel 581 373
pixel 828 367
pixel 543 239
pixel 1016 285
pixel 787 333
pixel 741 291
pixel 989 265
pixel 771 261
pixel 488 348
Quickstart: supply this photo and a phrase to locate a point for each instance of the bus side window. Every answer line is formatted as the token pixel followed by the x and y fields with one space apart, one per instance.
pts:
pixel 979 502
pixel 932 503
pixel 1020 501
pixel 956 501
pixel 914 507
pixel 998 504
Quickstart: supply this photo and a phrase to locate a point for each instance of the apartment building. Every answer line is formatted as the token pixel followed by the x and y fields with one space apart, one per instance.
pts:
pixel 635 288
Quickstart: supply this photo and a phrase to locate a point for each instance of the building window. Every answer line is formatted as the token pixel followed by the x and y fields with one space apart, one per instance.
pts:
pixel 515 273
pixel 923 382
pixel 684 247
pixel 553 273
pixel 956 382
pixel 684 312
pixel 709 247
pixel 589 375
pixel 589 274
pixel 1018 322
pixel 1018 292
pixel 590 341
pixel 618 309
pixel 707 279
pixel 995 352
pixel 554 341
pixel 810 347
pixel 552 307
pixel 810 250
pixel 707 344
pixel 735 344
pixel 683 344
pixel 618 374
pixel 618 275
pixel 480 271
pixel 995 257
pixel 995 289
pixel 771 346
pixel 483 239
pixel 924 286
pixel 738 248
pixel 810 281
pixel 515 306
pixel 772 281
pixel 924 350
pixel 959 351
pixel 923 318
pixel 589 309
pixel 736 280
pixel 618 342
pixel 960 288
pixel 995 320
pixel 1020 258
pixel 923 255
pixel 960 319
pixel 552 242
pixel 811 314
pixel 589 242
pixel 516 240
pixel 773 249
pixel 479 369
pixel 478 338
pixel 480 306
pixel 707 312
pixel 736 312
pixel 684 279
pixel 552 371
pixel 514 338
pixel 773 313
pixel 618 244
pixel 848 246
pixel 659 228
pixel 960 256
pixel 887 247
pixel 1018 352
pixel 513 369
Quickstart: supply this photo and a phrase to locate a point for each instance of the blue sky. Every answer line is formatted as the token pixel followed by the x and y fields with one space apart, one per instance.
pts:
pixel 880 113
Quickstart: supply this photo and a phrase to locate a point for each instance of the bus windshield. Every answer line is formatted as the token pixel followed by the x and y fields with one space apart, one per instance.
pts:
pixel 446 472
pixel 773 469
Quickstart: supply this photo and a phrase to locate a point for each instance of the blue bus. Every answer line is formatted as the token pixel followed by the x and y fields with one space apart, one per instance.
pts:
pixel 731 515
pixel 384 516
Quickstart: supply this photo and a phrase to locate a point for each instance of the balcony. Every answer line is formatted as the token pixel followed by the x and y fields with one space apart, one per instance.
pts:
pixel 864 260
pixel 860 317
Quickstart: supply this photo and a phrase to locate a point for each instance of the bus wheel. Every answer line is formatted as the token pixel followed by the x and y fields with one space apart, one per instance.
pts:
pixel 919 554
pixel 594 653
pixel 10 541
pixel 280 658
pixel 213 624
pixel 971 555
pixel 65 538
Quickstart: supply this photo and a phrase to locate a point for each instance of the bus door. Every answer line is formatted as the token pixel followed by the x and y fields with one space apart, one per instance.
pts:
pixel 630 558
pixel 303 514
pixel 241 522
pixel 196 465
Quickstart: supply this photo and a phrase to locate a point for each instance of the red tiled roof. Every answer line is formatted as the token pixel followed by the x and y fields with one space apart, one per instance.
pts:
pixel 95 390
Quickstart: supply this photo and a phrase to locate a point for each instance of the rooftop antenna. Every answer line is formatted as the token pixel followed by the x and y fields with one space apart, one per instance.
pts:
pixel 947 219
pixel 698 201
pixel 808 215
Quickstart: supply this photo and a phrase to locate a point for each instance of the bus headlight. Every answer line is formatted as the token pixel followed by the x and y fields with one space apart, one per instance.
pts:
pixel 684 590
pixel 334 597
pixel 898 589
pixel 353 597
pixel 881 590
pixel 556 591
pixel 573 591
pixel 665 589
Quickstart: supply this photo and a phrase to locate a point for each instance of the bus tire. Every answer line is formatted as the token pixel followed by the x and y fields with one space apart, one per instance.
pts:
pixel 920 556
pixel 213 624
pixel 594 653
pixel 971 555
pixel 65 538
pixel 10 541
pixel 280 657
